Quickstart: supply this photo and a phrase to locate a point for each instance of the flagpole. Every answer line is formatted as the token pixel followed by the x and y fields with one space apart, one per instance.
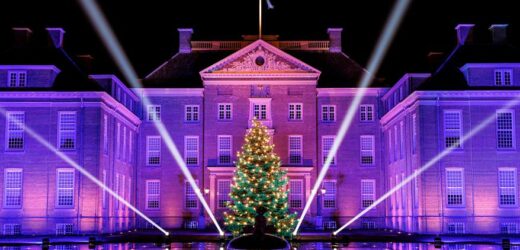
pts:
pixel 259 19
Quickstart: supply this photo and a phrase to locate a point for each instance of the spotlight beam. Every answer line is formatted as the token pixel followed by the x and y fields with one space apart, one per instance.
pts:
pixel 113 46
pixel 83 171
pixel 383 43
pixel 490 119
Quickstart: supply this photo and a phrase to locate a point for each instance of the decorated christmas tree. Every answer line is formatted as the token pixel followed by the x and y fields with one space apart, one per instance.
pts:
pixel 259 182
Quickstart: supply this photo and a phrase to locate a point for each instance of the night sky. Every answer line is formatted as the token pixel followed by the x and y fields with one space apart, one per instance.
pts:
pixel 148 29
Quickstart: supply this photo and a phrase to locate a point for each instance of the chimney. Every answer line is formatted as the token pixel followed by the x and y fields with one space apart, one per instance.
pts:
pixel 185 40
pixel 55 37
pixel 498 33
pixel 21 36
pixel 86 62
pixel 335 39
pixel 464 33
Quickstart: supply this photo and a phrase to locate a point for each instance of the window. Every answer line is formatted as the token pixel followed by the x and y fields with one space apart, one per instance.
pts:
pixel 328 113
pixel 367 149
pixel 17 79
pixel 504 77
pixel 15 130
pixel 124 143
pixel 368 225
pixel 64 229
pixel 295 149
pixel 505 128
pixel 105 134
pixel 116 190
pixel 416 190
pixel 455 187
pixel 456 228
pixel 130 144
pixel 122 188
pixel 153 194
pixel 153 150
pixel 329 225
pixel 225 112
pixel 414 133
pixel 191 113
pixel 13 188
pixel 403 193
pixel 508 228
pixel 260 111
pixel 224 149
pixel 452 129
pixel 368 192
pixel 295 111
pixel 223 190
pixel 296 194
pixel 67 130
pixel 190 198
pixel 329 197
pixel 326 145
pixel 401 130
pixel 104 194
pixel 366 113
pixel 153 112
pixel 396 145
pixel 118 141
pixel 507 186
pixel 12 229
pixel 191 150
pixel 390 147
pixel 65 187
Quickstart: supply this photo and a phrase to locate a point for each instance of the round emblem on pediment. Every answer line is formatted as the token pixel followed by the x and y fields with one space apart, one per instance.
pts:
pixel 259 60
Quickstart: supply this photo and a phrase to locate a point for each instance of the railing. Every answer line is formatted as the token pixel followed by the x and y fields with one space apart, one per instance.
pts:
pixel 236 45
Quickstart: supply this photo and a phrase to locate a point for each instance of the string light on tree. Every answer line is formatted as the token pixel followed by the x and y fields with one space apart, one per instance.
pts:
pixel 259 181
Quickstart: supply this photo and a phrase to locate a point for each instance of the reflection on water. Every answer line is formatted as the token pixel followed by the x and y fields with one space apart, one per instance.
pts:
pixel 296 246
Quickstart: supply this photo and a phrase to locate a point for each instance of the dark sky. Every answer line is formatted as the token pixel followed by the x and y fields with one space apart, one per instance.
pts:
pixel 147 28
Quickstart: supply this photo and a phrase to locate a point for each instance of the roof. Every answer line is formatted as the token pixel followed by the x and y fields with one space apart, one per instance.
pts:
pixel 37 52
pixel 448 75
pixel 182 70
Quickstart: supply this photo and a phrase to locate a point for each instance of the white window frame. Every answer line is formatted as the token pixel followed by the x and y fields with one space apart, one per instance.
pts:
pixel 63 191
pixel 12 229
pixel 193 152
pixel 509 228
pixel 153 113
pixel 17 82
pixel 402 142
pixel 367 197
pixel 105 134
pixel 9 191
pixel 64 228
pixel 512 130
pixel 130 143
pixel 190 196
pixel 124 144
pixel 224 152
pixel 62 131
pixel 153 152
pixel 366 113
pixel 225 112
pixel 325 152
pixel 396 145
pixel 455 190
pixel 296 152
pixel 507 190
pixel 191 113
pixel 326 114
pixel 118 141
pixel 364 152
pixel 295 112
pixel 328 196
pixel 456 228
pixel 260 102
pixel 499 77
pixel 14 130
pixel 296 195
pixel 455 131
pixel 153 194
pixel 222 195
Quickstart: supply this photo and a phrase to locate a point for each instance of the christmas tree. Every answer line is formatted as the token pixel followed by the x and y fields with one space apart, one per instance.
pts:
pixel 259 182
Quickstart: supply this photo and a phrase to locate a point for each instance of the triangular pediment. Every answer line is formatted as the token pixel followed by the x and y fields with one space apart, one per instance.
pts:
pixel 260 59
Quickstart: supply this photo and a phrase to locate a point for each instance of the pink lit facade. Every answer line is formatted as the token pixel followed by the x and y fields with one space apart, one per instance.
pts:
pixel 206 95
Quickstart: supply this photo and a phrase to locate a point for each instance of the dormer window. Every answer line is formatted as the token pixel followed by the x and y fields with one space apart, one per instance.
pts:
pixel 503 77
pixel 17 79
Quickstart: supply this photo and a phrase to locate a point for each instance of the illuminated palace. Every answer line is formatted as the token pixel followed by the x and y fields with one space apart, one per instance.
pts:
pixel 207 93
